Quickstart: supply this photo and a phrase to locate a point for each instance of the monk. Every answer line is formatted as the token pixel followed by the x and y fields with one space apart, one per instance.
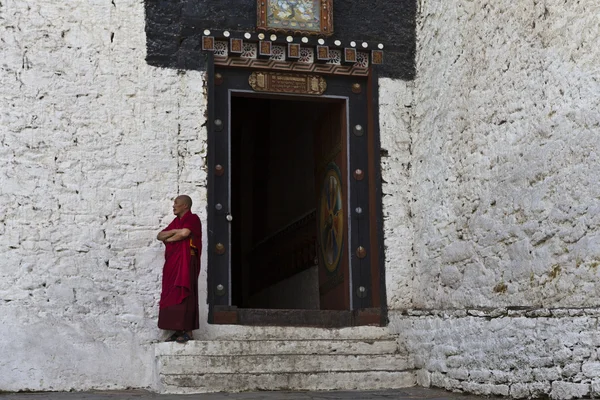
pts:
pixel 178 310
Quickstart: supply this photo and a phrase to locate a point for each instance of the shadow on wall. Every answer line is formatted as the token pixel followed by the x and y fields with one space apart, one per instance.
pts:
pixel 174 29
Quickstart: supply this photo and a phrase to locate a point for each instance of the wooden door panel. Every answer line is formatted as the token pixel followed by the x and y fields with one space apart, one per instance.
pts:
pixel 332 195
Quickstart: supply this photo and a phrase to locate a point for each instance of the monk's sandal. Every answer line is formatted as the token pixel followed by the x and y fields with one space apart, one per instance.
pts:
pixel 183 338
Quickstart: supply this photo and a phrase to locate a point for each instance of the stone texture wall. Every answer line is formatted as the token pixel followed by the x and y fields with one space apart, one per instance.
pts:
pixel 506 132
pixel 503 199
pixel 490 159
pixel 395 120
pixel 94 144
pixel 519 353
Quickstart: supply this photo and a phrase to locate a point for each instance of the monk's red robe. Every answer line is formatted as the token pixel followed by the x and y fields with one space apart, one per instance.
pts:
pixel 179 296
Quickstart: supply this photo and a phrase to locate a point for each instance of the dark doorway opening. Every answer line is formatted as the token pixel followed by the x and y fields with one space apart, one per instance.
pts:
pixel 274 262
pixel 294 218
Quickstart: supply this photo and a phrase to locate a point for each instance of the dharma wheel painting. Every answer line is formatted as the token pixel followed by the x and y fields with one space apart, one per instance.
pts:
pixel 331 218
pixel 294 14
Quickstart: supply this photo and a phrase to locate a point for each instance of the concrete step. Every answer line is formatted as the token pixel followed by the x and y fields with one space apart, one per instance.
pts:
pixel 271 364
pixel 265 347
pixel 235 332
pixel 357 380
pixel 202 366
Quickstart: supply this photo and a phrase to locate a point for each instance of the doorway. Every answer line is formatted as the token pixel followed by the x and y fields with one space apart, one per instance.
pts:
pixel 280 150
pixel 294 203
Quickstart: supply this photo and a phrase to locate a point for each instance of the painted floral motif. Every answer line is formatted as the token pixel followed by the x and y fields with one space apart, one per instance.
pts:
pixel 331 218
pixel 294 14
pixel 335 57
pixel 250 50
pixel 221 48
pixel 362 59
pixel 278 53
pixel 307 55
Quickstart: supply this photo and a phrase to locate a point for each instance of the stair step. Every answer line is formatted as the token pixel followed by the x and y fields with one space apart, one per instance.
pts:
pixel 357 380
pixel 266 347
pixel 258 333
pixel 270 364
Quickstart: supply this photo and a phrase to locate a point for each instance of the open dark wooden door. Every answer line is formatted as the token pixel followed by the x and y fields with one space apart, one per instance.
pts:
pixel 332 213
pixel 347 201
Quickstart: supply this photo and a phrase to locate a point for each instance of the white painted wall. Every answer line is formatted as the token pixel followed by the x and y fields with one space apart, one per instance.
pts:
pixel 504 198
pixel 94 145
pixel 395 120
pixel 491 197
pixel 515 353
pixel 506 133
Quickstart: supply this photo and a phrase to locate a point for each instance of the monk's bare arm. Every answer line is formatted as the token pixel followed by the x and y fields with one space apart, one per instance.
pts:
pixel 164 235
pixel 180 234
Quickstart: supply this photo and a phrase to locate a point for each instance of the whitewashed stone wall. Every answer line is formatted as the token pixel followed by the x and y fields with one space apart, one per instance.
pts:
pixel 505 136
pixel 490 165
pixel 395 120
pixel 515 353
pixel 94 144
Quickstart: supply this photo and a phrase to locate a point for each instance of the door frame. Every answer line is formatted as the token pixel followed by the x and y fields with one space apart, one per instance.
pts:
pixel 363 154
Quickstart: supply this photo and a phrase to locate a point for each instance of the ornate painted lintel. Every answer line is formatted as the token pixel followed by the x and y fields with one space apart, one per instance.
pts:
pixel 278 82
pixel 323 69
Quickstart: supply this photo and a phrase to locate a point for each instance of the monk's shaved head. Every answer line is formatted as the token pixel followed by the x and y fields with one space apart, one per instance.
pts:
pixel 185 199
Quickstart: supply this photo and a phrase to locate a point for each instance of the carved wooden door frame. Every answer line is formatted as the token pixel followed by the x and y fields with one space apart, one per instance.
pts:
pixel 365 231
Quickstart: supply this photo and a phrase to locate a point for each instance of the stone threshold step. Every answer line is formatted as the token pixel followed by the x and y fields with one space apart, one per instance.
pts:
pixel 246 332
pixel 357 380
pixel 270 364
pixel 266 347
pixel 228 315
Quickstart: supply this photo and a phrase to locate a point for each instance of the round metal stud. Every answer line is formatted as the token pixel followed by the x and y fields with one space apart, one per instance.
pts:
pixel 220 249
pixel 358 210
pixel 218 125
pixel 361 252
pixel 218 206
pixel 361 292
pixel 380 46
pixel 219 170
pixel 359 175
pixel 337 43
pixel 226 34
pixel 229 218
pixel 261 36
pixel 305 40
pixel 353 44
pixel 289 39
pixel 206 32
pixel 358 130
pixel 321 42
pixel 220 290
pixel 365 45
pixel 356 88
pixel 247 35
pixel 273 37
pixel 218 79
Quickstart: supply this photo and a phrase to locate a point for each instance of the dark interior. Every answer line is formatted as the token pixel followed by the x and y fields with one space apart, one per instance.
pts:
pixel 274 251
